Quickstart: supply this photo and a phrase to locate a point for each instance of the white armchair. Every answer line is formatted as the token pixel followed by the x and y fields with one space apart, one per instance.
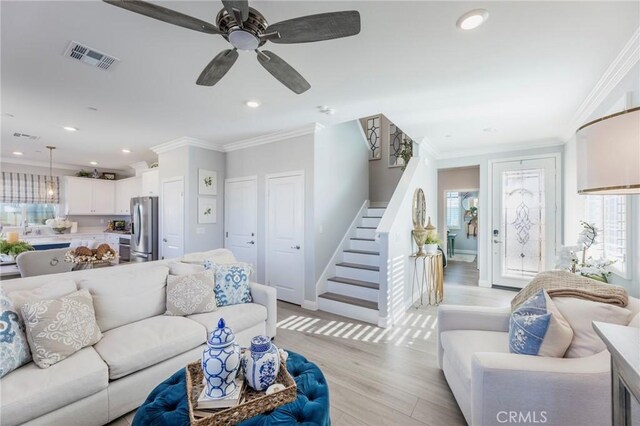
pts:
pixel 495 387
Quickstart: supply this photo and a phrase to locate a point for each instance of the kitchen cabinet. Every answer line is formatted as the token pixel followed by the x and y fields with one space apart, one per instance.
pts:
pixel 86 196
pixel 126 189
pixel 151 183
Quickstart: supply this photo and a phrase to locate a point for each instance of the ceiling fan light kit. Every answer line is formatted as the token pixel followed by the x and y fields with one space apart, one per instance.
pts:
pixel 246 29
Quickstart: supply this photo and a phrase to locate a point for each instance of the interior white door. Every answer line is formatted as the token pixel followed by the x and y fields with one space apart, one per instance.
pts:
pixel 172 218
pixel 285 236
pixel 524 222
pixel 241 219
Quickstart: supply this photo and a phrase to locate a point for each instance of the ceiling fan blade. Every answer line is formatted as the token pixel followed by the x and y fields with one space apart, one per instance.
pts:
pixel 166 15
pixel 217 68
pixel 324 26
pixel 282 71
pixel 239 9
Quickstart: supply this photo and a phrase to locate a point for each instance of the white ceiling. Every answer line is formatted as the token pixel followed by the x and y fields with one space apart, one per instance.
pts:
pixel 524 74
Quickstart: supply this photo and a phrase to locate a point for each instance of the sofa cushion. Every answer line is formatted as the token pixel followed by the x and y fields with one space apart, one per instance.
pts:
pixel 14 349
pixel 182 268
pixel 50 290
pixel 460 345
pixel 141 344
pixel 30 391
pixel 121 298
pixel 635 321
pixel 238 317
pixel 58 328
pixel 220 256
pixel 580 314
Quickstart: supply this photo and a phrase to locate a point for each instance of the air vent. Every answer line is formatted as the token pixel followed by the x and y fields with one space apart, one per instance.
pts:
pixel 24 135
pixel 90 56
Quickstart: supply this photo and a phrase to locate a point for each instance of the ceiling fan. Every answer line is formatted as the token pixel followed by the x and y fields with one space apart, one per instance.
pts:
pixel 247 29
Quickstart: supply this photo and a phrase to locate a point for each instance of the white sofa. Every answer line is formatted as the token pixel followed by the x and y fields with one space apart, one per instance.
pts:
pixel 495 387
pixel 140 348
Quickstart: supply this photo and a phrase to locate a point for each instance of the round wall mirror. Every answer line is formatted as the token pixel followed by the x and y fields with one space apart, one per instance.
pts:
pixel 470 200
pixel 419 209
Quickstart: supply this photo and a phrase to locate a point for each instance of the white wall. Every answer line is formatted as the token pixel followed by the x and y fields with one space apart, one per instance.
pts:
pixel 282 156
pixel 341 168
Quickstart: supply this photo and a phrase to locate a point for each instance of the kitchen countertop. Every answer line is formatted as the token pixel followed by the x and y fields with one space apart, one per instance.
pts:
pixel 53 238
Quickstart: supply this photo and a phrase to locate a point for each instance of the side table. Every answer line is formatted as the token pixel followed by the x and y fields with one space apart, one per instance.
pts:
pixel 430 279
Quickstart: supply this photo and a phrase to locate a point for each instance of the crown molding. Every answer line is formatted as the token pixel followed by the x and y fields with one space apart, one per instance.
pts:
pixel 507 147
pixel 617 70
pixel 273 137
pixel 45 164
pixel 425 144
pixel 185 141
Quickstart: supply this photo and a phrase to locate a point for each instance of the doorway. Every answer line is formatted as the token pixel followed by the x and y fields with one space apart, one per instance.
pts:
pixel 524 221
pixel 284 251
pixel 461 208
pixel 172 218
pixel 241 219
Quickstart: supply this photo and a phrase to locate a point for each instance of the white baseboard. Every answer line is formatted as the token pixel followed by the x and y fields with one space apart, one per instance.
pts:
pixel 308 304
pixel 467 251
pixel 484 283
pixel 382 322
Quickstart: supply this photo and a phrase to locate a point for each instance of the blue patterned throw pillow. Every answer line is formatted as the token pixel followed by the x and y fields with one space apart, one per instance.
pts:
pixel 538 328
pixel 14 349
pixel 232 283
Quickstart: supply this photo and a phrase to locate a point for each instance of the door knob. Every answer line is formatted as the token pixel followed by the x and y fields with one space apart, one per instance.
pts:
pixel 497 241
pixel 295 247
pixel 164 239
pixel 251 242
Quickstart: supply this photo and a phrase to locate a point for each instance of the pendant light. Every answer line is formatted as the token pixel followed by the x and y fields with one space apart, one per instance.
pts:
pixel 51 187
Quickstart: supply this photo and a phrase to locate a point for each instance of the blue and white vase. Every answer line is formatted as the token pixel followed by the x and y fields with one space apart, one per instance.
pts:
pixel 261 363
pixel 220 362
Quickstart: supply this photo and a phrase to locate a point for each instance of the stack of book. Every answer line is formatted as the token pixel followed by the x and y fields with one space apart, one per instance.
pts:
pixel 208 405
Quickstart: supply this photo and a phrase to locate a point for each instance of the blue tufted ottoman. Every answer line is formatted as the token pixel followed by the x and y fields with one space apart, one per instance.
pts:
pixel 167 404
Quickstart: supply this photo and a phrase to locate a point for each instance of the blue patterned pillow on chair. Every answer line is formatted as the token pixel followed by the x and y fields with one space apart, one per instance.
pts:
pixel 538 328
pixel 232 283
pixel 14 349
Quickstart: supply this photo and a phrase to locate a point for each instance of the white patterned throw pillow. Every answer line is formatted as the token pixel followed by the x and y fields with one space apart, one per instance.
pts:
pixel 14 349
pixel 232 283
pixel 191 294
pixel 58 328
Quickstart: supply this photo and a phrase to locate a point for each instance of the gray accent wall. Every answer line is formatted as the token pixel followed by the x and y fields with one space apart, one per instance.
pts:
pixel 341 167
pixel 382 178
pixel 287 155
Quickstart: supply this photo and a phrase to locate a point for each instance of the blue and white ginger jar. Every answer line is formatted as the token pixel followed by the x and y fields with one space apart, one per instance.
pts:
pixel 220 362
pixel 261 363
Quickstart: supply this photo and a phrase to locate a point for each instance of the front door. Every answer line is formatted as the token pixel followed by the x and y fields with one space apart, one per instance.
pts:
pixel 524 221
pixel 285 235
pixel 172 220
pixel 241 219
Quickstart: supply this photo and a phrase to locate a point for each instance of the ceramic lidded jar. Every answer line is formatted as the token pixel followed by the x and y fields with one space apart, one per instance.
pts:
pixel 220 362
pixel 261 363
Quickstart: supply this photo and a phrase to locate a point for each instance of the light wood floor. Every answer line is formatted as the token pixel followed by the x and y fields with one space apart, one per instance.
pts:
pixel 382 376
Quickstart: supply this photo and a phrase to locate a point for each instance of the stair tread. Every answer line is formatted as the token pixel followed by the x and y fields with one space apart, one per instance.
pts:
pixel 373 253
pixel 372 217
pixel 363 239
pixel 366 227
pixel 350 300
pixel 359 266
pixel 359 283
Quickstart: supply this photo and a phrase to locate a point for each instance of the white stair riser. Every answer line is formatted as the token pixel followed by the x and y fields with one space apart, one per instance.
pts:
pixel 375 212
pixel 370 221
pixel 358 274
pixel 364 293
pixel 347 310
pixel 365 233
pixel 363 259
pixel 364 245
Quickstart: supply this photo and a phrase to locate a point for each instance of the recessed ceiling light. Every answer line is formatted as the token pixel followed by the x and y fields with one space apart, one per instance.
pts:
pixel 6 114
pixel 489 130
pixel 472 19
pixel 447 136
pixel 326 110
pixel 252 104
pixel 92 108
pixel 18 153
pixel 93 163
pixel 126 151
pixel 70 129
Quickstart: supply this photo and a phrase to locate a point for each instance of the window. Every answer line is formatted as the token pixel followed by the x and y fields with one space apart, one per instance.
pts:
pixel 14 214
pixel 609 213
pixel 453 210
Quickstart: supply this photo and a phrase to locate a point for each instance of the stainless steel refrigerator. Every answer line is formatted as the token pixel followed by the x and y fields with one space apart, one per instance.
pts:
pixel 144 229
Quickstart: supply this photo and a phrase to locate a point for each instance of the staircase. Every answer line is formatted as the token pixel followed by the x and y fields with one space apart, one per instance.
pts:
pixel 353 291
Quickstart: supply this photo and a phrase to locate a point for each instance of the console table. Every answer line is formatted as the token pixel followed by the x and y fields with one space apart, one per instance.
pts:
pixel 430 279
pixel 623 344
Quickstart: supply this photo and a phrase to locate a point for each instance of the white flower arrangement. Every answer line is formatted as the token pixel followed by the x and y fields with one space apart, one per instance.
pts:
pixel 568 259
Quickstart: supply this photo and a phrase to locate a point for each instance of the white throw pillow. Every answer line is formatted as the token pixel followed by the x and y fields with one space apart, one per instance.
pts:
pixel 51 290
pixel 635 322
pixel 182 268
pixel 191 294
pixel 581 313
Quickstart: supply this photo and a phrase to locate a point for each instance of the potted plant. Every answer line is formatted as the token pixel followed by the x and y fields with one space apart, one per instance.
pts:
pixel 9 251
pixel 431 246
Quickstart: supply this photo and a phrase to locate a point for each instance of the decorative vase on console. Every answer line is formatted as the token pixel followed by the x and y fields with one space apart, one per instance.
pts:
pixel 418 211
pixel 220 362
pixel 261 363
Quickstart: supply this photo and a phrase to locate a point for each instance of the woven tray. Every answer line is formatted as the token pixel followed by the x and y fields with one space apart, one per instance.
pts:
pixel 251 404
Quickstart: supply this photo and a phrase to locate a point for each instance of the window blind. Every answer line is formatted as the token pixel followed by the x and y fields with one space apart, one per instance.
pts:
pixel 28 188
